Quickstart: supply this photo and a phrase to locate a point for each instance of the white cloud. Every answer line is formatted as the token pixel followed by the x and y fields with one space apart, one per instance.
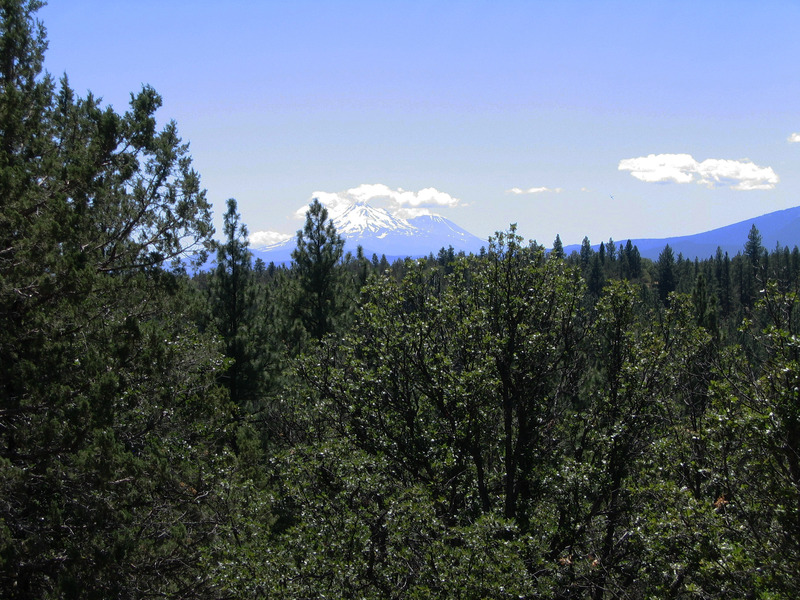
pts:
pixel 401 203
pixel 335 203
pixel 425 197
pixel 738 175
pixel 267 238
pixel 399 197
pixel 533 190
pixel 794 138
pixel 661 167
pixel 713 172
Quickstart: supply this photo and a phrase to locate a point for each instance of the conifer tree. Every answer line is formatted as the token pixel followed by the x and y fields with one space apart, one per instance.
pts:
pixel 611 249
pixel 632 259
pixel 586 254
pixel 558 248
pixel 749 270
pixel 595 279
pixel 320 299
pixel 754 249
pixel 665 267
pixel 108 460
pixel 238 312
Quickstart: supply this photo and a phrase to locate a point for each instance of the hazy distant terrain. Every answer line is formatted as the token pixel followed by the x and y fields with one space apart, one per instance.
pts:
pixel 780 228
pixel 380 233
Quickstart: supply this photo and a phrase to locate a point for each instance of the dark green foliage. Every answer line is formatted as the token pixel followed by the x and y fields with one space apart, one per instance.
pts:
pixel 665 274
pixel 111 426
pixel 320 297
pixel 493 408
pixel 424 458
pixel 595 279
pixel 753 249
pixel 558 248
pixel 586 253
pixel 238 312
pixel 631 262
pixel 611 250
pixel 506 425
pixel 722 274
pixel 446 259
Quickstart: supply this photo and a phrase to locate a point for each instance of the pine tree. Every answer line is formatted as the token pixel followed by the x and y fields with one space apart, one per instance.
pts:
pixel 586 254
pixel 558 248
pixel 320 299
pixel 665 267
pixel 754 249
pixel 238 311
pixel 595 279
pixel 633 260
pixel 750 274
pixel 110 420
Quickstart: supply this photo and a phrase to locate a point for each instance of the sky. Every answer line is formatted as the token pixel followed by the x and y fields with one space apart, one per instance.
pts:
pixel 578 118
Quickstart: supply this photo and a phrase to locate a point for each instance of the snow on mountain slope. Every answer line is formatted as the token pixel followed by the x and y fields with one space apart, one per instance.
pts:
pixel 379 232
pixel 445 228
pixel 361 219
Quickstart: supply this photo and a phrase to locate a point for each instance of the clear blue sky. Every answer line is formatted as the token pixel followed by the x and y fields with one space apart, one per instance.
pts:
pixel 545 114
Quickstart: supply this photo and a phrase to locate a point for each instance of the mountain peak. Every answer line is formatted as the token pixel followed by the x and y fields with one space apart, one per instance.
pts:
pixel 359 218
pixel 379 232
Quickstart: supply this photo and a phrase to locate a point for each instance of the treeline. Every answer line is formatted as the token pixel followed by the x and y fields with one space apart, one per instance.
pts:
pixel 516 423
pixel 732 285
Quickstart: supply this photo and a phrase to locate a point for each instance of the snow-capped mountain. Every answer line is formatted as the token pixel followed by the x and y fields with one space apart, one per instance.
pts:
pixel 361 220
pixel 379 232
pixel 446 228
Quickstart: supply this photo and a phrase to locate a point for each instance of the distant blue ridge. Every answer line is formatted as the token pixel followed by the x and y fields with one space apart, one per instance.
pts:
pixel 434 233
pixel 779 227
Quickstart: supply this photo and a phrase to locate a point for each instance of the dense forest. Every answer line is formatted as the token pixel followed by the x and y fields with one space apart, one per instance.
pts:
pixel 513 424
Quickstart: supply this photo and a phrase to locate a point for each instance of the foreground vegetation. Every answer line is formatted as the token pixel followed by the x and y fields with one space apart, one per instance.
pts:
pixel 512 424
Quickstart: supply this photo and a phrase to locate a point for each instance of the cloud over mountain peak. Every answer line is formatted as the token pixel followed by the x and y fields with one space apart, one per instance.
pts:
pixel 398 202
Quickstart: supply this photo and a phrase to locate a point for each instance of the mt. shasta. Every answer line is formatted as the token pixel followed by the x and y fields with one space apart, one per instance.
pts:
pixel 379 232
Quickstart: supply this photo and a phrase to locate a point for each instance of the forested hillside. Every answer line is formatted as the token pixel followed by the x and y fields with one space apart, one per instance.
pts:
pixel 513 424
